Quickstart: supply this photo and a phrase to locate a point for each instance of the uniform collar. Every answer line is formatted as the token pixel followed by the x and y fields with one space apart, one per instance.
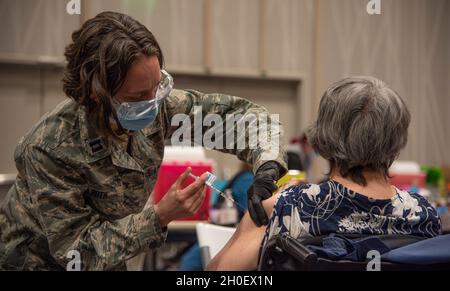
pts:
pixel 98 147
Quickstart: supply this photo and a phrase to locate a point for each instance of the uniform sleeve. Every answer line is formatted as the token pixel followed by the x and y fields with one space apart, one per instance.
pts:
pixel 70 224
pixel 237 118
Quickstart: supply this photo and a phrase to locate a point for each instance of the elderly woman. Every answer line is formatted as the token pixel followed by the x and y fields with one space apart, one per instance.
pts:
pixel 361 128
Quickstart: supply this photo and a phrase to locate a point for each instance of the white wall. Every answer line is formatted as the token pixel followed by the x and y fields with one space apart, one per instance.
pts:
pixel 406 46
pixel 317 42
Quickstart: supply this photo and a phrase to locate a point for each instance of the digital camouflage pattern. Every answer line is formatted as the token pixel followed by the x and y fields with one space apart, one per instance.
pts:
pixel 78 190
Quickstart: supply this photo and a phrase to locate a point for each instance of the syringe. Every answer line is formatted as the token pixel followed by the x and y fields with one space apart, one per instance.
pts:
pixel 210 183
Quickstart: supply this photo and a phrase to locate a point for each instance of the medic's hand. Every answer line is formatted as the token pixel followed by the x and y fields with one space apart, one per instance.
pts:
pixel 178 202
pixel 262 188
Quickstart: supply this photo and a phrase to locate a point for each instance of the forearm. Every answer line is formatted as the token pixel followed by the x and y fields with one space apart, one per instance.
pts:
pixel 225 123
pixel 71 224
pixel 104 245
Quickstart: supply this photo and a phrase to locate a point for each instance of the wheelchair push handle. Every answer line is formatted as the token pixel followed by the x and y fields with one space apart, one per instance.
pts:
pixel 297 250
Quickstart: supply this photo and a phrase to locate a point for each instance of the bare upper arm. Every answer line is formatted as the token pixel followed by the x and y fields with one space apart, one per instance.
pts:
pixel 244 244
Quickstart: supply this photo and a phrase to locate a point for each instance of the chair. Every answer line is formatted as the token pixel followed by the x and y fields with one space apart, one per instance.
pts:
pixel 285 253
pixel 212 238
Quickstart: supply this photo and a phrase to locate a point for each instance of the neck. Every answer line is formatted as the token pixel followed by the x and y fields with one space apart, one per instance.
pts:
pixel 377 187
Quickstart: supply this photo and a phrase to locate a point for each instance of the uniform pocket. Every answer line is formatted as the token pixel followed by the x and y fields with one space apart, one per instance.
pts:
pixel 107 200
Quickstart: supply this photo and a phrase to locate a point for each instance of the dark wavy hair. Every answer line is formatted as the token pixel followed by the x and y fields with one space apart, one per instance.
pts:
pixel 98 59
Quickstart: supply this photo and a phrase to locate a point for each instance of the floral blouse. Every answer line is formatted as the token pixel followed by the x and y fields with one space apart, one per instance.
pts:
pixel 314 210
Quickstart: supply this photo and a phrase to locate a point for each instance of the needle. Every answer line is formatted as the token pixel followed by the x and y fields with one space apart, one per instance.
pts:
pixel 210 183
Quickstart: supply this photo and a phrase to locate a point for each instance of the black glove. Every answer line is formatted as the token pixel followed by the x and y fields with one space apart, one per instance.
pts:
pixel 262 188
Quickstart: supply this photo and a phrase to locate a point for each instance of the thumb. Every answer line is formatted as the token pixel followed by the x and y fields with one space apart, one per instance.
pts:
pixel 183 177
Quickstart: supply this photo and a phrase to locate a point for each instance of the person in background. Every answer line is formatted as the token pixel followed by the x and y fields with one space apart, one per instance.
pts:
pixel 300 154
pixel 239 185
pixel 191 260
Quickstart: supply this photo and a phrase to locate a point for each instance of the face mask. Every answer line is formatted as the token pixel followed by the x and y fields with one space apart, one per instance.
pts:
pixel 138 115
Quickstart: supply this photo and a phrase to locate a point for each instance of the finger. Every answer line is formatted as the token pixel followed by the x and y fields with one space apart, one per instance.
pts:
pixel 195 186
pixel 259 211
pixel 199 201
pixel 253 215
pixel 194 202
pixel 195 196
pixel 270 182
pixel 183 177
pixel 273 187
pixel 204 176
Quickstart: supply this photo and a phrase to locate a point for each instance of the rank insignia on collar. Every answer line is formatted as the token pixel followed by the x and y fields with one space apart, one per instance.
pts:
pixel 96 145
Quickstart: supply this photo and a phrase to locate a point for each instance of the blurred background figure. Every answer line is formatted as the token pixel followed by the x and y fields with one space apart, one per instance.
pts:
pixel 237 186
pixel 300 154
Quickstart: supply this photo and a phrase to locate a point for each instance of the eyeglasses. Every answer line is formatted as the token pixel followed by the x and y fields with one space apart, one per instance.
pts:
pixel 135 110
pixel 165 86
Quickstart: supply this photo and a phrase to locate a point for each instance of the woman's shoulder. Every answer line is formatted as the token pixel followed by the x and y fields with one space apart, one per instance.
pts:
pixel 417 211
pixel 411 200
pixel 54 127
pixel 310 191
pixel 57 134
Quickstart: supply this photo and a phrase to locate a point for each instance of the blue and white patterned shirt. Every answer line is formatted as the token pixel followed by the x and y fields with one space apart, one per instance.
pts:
pixel 330 207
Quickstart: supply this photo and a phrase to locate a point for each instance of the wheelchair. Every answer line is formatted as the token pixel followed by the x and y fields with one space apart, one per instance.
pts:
pixel 285 253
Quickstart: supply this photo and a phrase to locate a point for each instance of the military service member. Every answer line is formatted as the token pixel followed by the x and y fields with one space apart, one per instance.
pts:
pixel 86 170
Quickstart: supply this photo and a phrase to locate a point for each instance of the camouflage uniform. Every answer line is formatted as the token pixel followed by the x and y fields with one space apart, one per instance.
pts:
pixel 77 190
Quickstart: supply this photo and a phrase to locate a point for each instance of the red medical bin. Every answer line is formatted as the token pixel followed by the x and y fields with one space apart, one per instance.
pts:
pixel 169 173
pixel 400 180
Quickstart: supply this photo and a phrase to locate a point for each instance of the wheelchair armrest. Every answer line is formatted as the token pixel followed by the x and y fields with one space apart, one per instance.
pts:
pixel 284 252
pixel 282 249
pixel 297 250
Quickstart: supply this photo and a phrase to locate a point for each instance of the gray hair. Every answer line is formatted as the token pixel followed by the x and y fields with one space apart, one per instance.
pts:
pixel 362 124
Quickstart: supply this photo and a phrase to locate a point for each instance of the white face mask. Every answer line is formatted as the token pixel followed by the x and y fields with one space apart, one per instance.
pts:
pixel 138 115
